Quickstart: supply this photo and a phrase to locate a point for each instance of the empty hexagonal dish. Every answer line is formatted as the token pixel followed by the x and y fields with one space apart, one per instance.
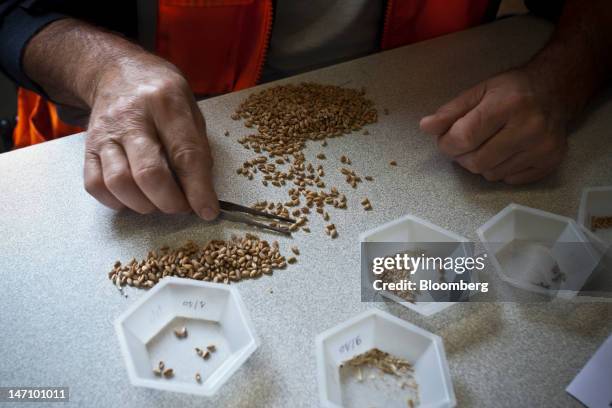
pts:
pixel 341 384
pixel 212 314
pixel 539 251
pixel 596 202
pixel 413 234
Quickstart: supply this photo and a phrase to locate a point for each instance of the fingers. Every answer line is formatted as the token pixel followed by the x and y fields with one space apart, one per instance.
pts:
pixel 441 121
pixel 152 174
pixel 513 165
pixel 496 150
pixel 183 133
pixel 94 182
pixel 528 176
pixel 119 181
pixel 473 129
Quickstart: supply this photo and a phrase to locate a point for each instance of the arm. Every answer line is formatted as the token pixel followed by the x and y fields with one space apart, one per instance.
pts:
pixel 513 127
pixel 145 127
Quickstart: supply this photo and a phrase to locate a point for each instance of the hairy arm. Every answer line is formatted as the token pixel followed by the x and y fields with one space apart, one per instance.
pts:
pixel 146 145
pixel 577 61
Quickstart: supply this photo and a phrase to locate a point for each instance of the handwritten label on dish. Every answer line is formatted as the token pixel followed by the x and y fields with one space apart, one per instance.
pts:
pixel 351 344
pixel 194 304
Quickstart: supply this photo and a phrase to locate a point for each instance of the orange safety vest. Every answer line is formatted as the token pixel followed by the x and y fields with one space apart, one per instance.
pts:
pixel 220 46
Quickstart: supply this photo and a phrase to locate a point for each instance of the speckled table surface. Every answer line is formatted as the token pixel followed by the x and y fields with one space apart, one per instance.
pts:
pixel 57 244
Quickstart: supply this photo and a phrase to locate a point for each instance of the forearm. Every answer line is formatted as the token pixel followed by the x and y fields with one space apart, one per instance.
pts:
pixel 69 58
pixel 577 61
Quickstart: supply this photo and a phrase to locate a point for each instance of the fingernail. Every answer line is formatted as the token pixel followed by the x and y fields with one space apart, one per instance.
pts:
pixel 208 213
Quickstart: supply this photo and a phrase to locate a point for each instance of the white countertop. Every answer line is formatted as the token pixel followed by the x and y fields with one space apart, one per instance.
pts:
pixel 57 245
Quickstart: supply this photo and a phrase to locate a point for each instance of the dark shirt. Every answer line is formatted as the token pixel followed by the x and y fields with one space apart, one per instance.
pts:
pixel 20 20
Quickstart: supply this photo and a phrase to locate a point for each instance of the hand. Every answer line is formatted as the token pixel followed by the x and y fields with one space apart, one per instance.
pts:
pixel 146 146
pixel 504 129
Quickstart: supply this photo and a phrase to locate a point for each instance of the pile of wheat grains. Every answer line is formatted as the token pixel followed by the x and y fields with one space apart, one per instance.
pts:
pixel 286 117
pixel 218 261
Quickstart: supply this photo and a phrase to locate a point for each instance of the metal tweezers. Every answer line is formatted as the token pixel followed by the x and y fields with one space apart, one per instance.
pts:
pixel 239 213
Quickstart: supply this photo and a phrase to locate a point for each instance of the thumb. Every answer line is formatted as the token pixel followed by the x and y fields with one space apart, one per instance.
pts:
pixel 441 121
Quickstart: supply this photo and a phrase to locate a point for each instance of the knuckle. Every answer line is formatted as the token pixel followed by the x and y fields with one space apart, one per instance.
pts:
pixel 116 179
pixel 516 100
pixel 94 185
pixel 185 156
pixel 456 142
pixel 148 174
pixel 474 164
pixel 461 136
pixel 170 88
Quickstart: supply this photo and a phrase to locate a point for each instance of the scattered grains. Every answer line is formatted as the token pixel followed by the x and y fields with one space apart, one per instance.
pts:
pixel 384 368
pixel 295 250
pixel 351 177
pixel 366 204
pixel 226 133
pixel 285 118
pixel 601 223
pixel 168 373
pixel 369 178
pixel 212 348
pixel 181 333
pixel 385 362
pixel 292 260
pixel 393 163
pixel 198 378
pixel 157 372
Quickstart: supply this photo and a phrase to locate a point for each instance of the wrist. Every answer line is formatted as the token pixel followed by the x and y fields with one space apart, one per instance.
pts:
pixel 562 84
pixel 135 68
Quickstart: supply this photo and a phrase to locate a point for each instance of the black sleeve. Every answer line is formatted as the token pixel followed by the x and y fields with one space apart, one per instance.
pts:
pixel 18 24
pixel 548 9
pixel 20 20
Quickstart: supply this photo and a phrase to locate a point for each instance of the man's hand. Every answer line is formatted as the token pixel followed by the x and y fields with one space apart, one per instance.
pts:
pixel 146 145
pixel 513 127
pixel 144 129
pixel 503 128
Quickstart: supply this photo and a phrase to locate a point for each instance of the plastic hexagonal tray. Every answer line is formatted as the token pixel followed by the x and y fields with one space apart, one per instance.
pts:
pixel 377 329
pixel 410 232
pixel 212 313
pixel 526 244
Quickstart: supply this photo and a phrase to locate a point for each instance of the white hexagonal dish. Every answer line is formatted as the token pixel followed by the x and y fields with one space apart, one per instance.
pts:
pixel 377 329
pixel 212 313
pixel 539 251
pixel 411 233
